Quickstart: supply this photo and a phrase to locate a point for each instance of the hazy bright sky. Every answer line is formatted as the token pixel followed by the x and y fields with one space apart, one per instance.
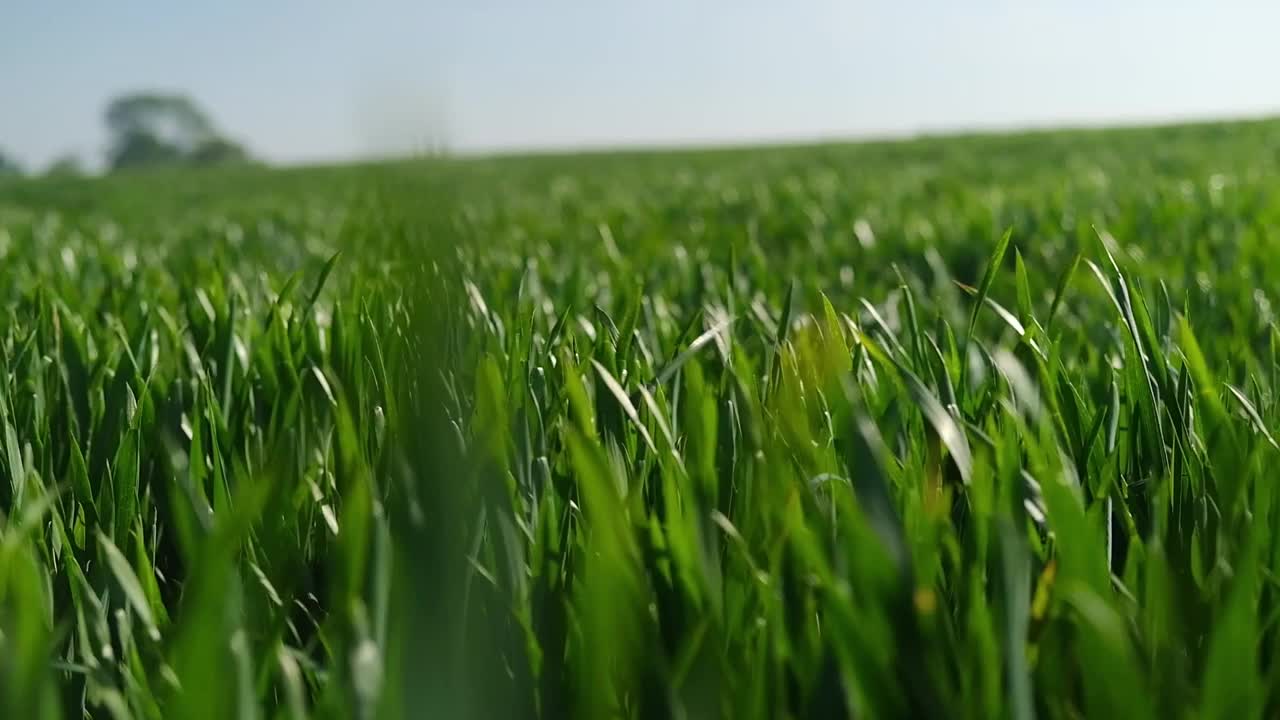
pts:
pixel 326 79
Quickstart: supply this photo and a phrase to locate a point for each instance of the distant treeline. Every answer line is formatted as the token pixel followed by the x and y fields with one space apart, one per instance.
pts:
pixel 152 129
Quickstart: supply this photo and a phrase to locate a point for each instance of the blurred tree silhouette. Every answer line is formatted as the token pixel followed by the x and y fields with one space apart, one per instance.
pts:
pixel 157 129
pixel 9 166
pixel 218 151
pixel 67 165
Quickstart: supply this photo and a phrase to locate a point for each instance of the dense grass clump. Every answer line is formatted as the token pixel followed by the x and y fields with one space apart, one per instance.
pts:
pixel 960 427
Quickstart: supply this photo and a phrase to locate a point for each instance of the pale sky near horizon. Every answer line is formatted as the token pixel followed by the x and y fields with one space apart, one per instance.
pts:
pixel 325 80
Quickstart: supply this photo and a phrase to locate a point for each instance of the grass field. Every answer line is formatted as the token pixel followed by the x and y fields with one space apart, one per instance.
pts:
pixel 965 427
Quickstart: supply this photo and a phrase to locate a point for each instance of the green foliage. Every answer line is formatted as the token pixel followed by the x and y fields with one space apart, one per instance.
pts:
pixel 960 427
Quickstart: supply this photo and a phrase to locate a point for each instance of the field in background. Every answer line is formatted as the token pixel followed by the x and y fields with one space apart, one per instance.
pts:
pixel 957 427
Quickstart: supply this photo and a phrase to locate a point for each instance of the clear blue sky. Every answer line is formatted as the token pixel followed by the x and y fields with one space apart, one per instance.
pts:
pixel 327 79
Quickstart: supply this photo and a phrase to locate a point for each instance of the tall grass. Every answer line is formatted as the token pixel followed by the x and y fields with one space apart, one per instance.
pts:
pixel 964 427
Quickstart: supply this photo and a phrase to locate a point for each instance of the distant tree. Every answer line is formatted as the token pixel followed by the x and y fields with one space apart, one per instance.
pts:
pixel 156 129
pixel 218 151
pixel 67 165
pixel 142 149
pixel 9 166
